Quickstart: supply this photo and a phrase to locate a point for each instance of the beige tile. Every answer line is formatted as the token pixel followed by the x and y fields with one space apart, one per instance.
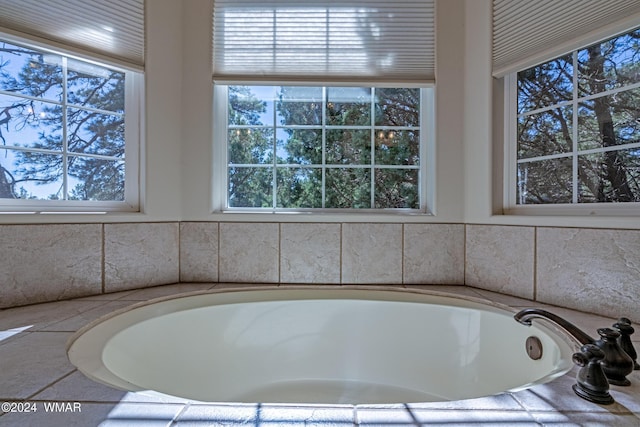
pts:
pixel 140 255
pixel 249 252
pixel 449 289
pixel 32 362
pixel 99 414
pixel 49 262
pixel 199 252
pixel 76 322
pixel 310 253
pixel 77 387
pixel 166 290
pixel 501 259
pixel 596 271
pixel 38 316
pixel 236 286
pixel 110 296
pixel 434 254
pixel 371 253
pixel 505 299
pixel 559 396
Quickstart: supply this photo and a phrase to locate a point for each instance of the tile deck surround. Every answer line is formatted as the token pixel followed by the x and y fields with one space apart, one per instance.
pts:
pixel 35 369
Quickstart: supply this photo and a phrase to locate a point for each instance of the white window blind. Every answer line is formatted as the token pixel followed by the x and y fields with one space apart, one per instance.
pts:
pixel 324 40
pixel 112 28
pixel 526 32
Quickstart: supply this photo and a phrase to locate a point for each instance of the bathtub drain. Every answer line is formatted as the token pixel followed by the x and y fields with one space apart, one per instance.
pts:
pixel 534 347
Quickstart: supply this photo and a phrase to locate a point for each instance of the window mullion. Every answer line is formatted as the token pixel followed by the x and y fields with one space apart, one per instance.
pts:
pixel 65 133
pixel 274 191
pixel 574 136
pixel 324 146
pixel 373 146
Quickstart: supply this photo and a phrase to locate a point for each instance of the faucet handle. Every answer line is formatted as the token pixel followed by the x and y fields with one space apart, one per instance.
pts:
pixel 591 382
pixel 588 353
pixel 623 325
pixel 608 334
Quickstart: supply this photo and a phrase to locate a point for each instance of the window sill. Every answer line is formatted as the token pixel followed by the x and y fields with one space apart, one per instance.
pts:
pixel 381 215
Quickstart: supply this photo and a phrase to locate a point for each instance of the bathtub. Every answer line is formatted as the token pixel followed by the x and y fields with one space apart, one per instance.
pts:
pixel 314 345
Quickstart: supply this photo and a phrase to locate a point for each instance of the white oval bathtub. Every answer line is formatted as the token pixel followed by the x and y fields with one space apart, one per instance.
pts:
pixel 302 345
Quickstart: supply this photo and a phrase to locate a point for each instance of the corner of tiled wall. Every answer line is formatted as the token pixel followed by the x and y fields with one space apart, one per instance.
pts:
pixel 433 254
pixel 199 251
pixel 591 270
pixel 249 252
pixel 594 270
pixel 501 258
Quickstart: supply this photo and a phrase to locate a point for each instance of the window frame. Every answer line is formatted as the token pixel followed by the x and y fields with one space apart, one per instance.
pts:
pixel 510 131
pixel 133 135
pixel 426 168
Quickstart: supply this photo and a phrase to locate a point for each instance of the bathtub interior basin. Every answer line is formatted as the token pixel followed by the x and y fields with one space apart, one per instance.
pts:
pixel 337 346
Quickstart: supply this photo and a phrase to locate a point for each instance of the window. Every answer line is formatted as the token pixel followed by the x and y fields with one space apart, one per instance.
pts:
pixel 575 134
pixel 69 130
pixel 294 147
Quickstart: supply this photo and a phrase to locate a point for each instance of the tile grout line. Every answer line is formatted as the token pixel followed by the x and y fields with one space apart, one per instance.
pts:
pixel 402 251
pixel 218 252
pixel 535 264
pixel 103 261
pixel 340 278
pixel 30 397
pixel 464 255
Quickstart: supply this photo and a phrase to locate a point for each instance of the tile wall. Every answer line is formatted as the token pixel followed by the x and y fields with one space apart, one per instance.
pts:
pixel 329 253
pixel 60 261
pixel 585 269
pixel 592 270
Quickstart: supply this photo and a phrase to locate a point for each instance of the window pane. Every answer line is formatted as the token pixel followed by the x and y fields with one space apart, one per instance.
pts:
pixel 30 175
pixel 545 133
pixel 299 188
pixel 348 188
pixel 95 87
pixel 94 133
pixel 300 105
pixel 250 187
pixel 299 146
pixel 397 189
pixel 318 144
pixel 610 64
pixel 545 85
pixel 348 106
pixel 251 105
pixel 545 181
pixel 609 120
pixel 66 120
pixel 612 176
pixel 28 72
pixel 397 107
pixel 250 146
pixel 28 123
pixel 397 147
pixel 95 179
pixel 348 147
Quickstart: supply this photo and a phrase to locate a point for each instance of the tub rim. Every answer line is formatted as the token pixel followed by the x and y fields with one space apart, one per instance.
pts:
pixel 302 292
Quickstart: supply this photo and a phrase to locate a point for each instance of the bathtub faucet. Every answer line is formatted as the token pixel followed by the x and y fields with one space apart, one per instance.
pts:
pixel 616 364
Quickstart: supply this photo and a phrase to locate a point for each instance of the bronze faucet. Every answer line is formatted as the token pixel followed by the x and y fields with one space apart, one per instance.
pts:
pixel 616 364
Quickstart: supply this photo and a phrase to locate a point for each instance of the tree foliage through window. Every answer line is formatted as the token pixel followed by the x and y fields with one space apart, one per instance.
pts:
pixel 578 128
pixel 314 147
pixel 61 127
